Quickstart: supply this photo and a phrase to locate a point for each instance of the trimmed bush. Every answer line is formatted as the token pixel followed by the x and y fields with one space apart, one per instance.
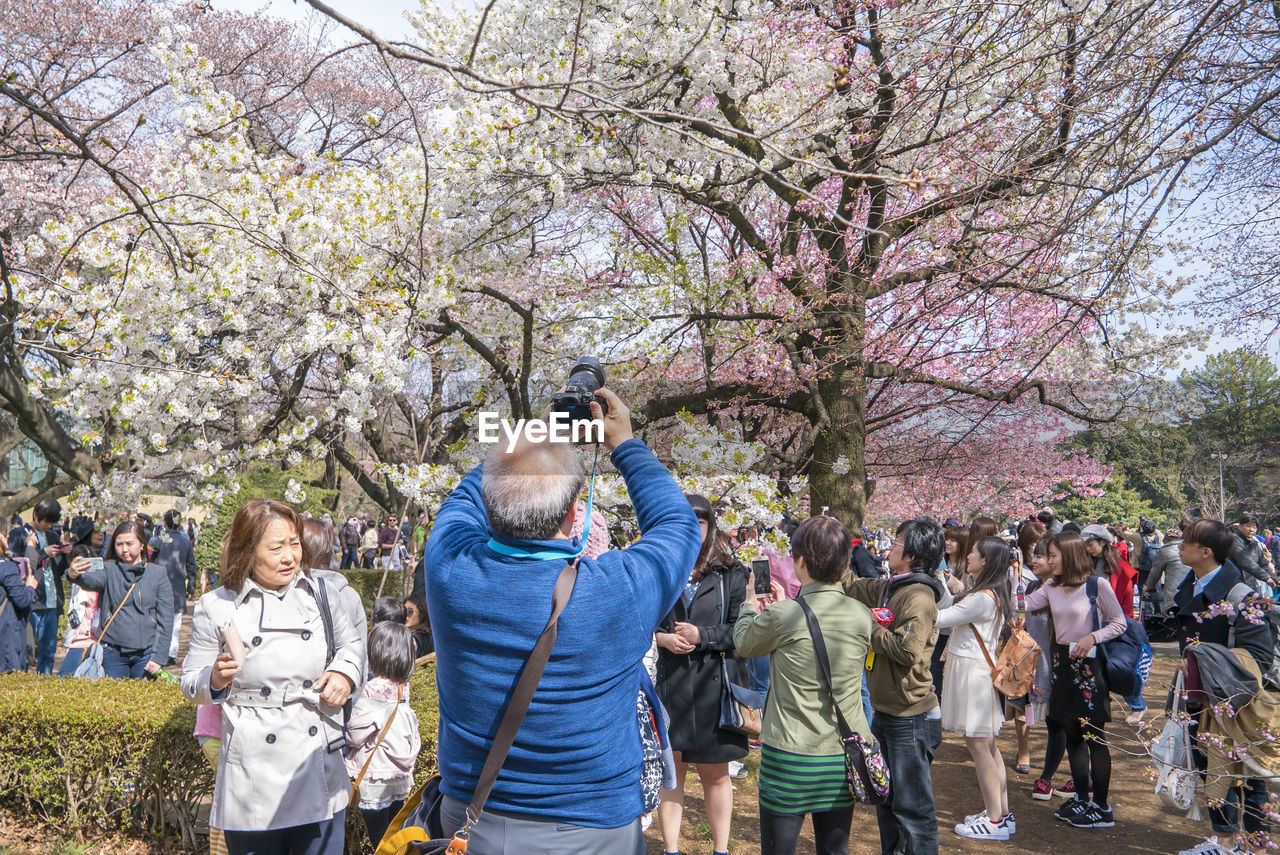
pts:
pixel 87 756
pixel 366 582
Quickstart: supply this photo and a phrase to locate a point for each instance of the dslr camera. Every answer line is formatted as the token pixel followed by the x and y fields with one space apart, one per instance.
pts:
pixel 585 378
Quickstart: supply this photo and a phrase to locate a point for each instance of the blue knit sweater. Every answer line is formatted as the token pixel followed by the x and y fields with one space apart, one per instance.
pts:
pixel 577 756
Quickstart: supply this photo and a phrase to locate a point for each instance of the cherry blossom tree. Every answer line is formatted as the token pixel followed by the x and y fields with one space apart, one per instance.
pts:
pixel 911 219
pixel 207 261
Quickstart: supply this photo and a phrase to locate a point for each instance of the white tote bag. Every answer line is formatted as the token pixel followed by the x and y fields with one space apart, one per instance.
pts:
pixel 1176 777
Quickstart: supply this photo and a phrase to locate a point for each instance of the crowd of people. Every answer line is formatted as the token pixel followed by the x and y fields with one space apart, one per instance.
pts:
pixel 870 644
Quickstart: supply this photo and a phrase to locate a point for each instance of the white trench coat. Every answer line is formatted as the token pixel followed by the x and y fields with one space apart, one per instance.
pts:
pixel 275 769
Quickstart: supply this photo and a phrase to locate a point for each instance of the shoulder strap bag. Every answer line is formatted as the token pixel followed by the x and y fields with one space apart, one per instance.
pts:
pixel 90 667
pixel 1014 669
pixel 865 769
pixel 419 828
pixel 741 709
pixel 321 593
pixel 357 829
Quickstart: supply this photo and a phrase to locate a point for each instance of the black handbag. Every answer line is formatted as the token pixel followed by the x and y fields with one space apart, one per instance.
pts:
pixel 865 768
pixel 741 709
pixel 321 593
pixel 418 828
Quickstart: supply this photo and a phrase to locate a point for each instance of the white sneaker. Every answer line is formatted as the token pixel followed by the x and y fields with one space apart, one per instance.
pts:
pixel 1211 847
pixel 1008 822
pixel 1134 719
pixel 982 828
pixel 737 769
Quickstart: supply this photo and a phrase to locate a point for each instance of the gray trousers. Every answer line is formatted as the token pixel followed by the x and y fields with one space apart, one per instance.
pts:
pixel 505 834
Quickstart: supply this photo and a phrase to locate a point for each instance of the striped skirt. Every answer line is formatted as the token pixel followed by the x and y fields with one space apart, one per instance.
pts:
pixel 801 783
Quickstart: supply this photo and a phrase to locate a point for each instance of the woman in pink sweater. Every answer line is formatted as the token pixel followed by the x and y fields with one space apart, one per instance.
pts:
pixel 1080 701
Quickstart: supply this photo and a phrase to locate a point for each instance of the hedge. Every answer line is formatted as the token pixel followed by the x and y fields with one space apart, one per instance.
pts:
pixel 87 756
pixel 367 581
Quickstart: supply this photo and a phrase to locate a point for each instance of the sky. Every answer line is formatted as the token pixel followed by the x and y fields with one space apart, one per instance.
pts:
pixel 385 16
pixel 387 19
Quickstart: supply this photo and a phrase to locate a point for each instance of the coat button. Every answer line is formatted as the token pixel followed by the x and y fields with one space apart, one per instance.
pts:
pixel 312 731
pixel 266 691
pixel 306 635
pixel 271 738
pixel 257 639
pixel 306 684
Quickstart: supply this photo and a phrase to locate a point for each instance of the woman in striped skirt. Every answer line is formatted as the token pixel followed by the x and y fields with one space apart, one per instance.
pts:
pixel 802 760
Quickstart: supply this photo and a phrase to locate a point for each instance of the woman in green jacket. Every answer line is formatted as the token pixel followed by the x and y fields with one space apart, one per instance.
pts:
pixel 802 759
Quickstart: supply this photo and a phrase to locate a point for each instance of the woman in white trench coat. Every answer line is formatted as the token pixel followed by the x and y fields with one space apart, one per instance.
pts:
pixel 282 786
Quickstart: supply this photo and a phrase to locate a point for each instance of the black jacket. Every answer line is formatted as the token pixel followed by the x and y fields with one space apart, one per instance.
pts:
pixel 689 684
pixel 1247 555
pixel 38 562
pixel 862 564
pixel 175 555
pixel 1255 638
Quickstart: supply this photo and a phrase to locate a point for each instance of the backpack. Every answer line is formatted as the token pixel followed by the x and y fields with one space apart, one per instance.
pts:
pixel 1127 658
pixel 1147 559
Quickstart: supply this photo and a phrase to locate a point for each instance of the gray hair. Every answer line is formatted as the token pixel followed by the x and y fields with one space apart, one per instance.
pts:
pixel 528 492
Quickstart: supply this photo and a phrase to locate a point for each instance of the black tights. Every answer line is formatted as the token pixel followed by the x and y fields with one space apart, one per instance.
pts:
pixel 779 832
pixel 1054 748
pixel 1090 759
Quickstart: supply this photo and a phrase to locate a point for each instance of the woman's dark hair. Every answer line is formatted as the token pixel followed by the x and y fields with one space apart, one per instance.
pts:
pixel 317 545
pixel 980 527
pixel 127 527
pixel 1110 558
pixel 83 550
pixel 825 545
pixel 924 542
pixel 994 576
pixel 1029 536
pixel 958 535
pixel 390 651
pixel 419 602
pixel 1077 566
pixel 240 543
pixel 715 549
pixel 1212 535
pixel 388 610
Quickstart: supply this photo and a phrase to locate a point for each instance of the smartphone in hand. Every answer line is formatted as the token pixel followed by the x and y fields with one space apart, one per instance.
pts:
pixel 95 563
pixel 764 583
pixel 231 640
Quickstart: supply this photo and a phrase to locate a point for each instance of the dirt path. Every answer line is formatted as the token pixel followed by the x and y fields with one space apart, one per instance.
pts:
pixel 1143 824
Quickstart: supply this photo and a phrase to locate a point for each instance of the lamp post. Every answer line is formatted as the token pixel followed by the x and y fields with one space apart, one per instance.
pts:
pixel 1222 495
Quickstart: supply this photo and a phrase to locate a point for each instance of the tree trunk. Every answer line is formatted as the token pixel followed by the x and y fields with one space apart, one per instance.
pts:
pixel 841 443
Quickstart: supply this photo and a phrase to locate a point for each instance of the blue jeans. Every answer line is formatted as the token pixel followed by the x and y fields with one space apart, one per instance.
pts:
pixel 350 558
pixel 314 838
pixel 125 663
pixel 908 821
pixel 71 662
pixel 1227 819
pixel 758 666
pixel 44 625
pixel 866 699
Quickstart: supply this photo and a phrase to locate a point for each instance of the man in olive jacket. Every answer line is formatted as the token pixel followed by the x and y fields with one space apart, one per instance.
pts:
pixel 907 722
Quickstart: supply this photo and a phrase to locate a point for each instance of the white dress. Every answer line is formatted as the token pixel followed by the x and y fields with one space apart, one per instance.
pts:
pixel 970 704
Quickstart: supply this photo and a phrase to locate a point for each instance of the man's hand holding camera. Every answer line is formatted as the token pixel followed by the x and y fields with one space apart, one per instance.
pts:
pixel 617 422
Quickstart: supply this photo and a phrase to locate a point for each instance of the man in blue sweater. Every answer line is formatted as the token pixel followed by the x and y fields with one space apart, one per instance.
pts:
pixel 571 784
